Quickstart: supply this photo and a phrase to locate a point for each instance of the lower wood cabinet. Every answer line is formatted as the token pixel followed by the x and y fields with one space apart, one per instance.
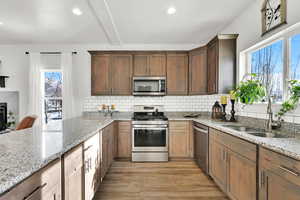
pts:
pixel 43 185
pixel 73 174
pixel 279 176
pixel 180 139
pixel 124 139
pixel 233 165
pixel 108 144
pixel 91 149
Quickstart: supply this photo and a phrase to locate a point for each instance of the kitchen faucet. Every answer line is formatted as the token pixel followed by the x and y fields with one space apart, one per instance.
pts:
pixel 270 124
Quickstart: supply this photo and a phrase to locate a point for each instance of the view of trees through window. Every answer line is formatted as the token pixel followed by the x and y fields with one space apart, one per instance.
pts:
pixel 267 63
pixel 295 57
pixel 52 95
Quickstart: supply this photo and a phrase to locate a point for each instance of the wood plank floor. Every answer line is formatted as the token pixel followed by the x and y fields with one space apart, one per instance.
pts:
pixel 157 181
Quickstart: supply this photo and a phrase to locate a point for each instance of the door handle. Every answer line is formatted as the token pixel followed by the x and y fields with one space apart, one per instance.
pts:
pixel 34 191
pixel 90 146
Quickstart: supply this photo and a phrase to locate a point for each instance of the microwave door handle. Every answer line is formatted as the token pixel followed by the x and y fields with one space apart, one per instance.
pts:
pixel 159 86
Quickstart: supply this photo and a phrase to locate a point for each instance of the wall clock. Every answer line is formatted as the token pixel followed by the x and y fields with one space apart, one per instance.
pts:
pixel 273 15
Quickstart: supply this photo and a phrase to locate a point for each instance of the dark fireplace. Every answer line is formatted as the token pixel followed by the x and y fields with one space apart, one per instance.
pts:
pixel 3 116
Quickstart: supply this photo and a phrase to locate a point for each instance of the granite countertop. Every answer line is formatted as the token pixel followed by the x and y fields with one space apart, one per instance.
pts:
pixel 22 153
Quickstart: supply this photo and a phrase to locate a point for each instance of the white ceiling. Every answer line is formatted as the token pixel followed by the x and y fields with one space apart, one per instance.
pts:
pixel 115 21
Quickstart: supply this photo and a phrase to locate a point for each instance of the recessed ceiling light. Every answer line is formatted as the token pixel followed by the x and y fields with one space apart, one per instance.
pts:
pixel 171 11
pixel 76 11
pixel 1 23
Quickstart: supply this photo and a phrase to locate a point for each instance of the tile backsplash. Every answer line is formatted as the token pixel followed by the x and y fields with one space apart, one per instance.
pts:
pixel 170 103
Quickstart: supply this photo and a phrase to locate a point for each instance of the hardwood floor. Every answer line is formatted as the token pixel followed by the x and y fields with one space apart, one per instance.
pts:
pixel 157 181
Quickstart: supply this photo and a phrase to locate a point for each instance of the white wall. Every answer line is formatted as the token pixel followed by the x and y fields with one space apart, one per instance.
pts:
pixel 248 26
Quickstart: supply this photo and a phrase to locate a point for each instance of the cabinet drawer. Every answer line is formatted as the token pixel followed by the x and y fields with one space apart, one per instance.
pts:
pixel 281 165
pixel 45 184
pixel 235 144
pixel 73 159
pixel 124 126
pixel 179 126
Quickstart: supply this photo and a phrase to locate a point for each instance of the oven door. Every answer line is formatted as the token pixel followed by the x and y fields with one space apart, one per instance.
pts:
pixel 149 86
pixel 149 138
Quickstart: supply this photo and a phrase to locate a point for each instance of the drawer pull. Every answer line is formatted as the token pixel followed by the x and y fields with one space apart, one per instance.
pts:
pixel 289 170
pixel 35 191
pixel 88 148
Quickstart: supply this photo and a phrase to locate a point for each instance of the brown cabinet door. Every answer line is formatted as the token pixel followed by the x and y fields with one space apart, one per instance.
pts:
pixel 157 65
pixel 100 75
pixel 198 72
pixel 212 68
pixel 275 187
pixel 218 166
pixel 241 177
pixel 121 74
pixel 141 65
pixel 73 176
pixel 124 139
pixel 177 74
pixel 179 139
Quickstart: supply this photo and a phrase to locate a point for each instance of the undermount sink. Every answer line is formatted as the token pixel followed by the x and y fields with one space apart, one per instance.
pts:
pixel 256 131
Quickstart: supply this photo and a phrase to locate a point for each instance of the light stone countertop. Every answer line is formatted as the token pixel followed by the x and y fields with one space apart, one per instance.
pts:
pixel 23 153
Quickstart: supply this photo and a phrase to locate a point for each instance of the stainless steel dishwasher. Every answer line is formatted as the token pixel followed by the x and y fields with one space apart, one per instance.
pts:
pixel 201 146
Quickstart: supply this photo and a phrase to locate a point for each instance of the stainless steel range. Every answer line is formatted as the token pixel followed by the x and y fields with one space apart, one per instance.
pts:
pixel 149 134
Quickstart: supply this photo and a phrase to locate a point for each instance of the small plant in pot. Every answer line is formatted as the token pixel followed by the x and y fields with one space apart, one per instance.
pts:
pixel 292 102
pixel 250 90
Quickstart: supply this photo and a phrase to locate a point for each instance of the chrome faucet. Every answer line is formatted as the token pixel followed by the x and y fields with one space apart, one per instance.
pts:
pixel 270 115
pixel 271 124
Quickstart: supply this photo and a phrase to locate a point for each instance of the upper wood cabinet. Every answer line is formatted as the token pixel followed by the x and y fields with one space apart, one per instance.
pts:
pixel 100 75
pixel 221 64
pixel 279 176
pixel 198 71
pixel 233 165
pixel 151 64
pixel 177 73
pixel 121 74
pixel 111 74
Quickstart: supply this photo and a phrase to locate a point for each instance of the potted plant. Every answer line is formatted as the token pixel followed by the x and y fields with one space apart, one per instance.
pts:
pixel 292 102
pixel 250 90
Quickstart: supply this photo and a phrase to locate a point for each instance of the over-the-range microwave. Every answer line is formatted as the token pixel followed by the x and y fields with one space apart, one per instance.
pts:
pixel 149 86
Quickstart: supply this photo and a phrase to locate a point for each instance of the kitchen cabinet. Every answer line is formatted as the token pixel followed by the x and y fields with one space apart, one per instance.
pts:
pixel 91 149
pixel 198 71
pixel 233 165
pixel 180 144
pixel 124 139
pixel 221 64
pixel 45 184
pixel 121 74
pixel 177 73
pixel 150 64
pixel 111 73
pixel 100 75
pixel 108 145
pixel 218 166
pixel 73 174
pixel 279 176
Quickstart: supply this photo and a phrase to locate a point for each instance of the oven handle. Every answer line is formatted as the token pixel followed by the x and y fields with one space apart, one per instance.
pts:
pixel 150 126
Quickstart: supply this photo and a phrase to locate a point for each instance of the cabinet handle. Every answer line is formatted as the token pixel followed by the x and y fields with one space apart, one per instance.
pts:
pixel 290 171
pixel 86 166
pixel 88 148
pixel 261 179
pixel 35 191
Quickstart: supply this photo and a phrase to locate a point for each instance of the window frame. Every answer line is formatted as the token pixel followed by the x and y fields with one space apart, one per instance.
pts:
pixel 285 36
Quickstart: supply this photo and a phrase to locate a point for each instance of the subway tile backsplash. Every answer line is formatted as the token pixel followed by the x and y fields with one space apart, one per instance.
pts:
pixel 170 103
